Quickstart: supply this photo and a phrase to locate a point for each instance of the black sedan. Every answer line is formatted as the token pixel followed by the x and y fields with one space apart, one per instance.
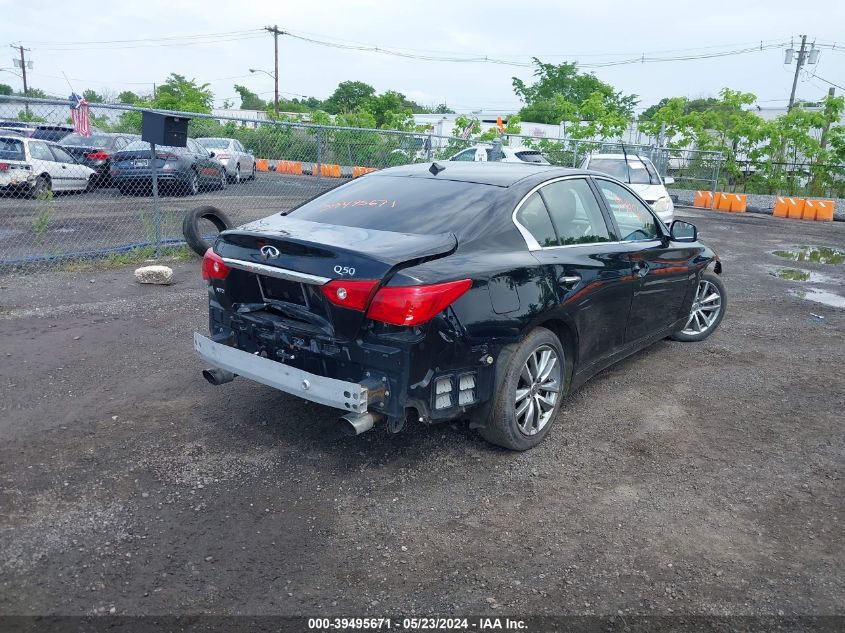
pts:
pixel 179 169
pixel 96 152
pixel 479 291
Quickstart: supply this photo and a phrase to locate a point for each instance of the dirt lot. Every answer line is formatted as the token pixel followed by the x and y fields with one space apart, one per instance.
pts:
pixel 691 478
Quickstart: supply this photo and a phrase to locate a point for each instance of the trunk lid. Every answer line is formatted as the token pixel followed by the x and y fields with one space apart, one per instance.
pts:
pixel 309 255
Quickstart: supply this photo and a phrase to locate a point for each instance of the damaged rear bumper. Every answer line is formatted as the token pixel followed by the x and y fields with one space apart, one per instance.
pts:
pixel 347 396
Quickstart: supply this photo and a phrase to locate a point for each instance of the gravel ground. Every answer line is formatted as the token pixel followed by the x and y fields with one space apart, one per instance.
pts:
pixel 689 479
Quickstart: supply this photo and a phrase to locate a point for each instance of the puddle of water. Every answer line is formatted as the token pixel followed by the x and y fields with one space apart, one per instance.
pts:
pixel 818 255
pixel 793 274
pixel 821 296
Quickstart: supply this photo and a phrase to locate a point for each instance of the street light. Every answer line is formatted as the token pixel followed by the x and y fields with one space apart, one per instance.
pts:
pixel 275 78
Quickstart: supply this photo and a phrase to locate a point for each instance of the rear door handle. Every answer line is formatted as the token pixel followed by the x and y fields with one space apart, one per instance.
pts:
pixel 569 280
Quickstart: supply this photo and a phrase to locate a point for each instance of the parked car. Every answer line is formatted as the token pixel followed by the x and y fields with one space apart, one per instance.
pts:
pixel 33 167
pixel 435 292
pixel 96 151
pixel 239 163
pixel 179 169
pixel 484 153
pixel 41 131
pixel 642 177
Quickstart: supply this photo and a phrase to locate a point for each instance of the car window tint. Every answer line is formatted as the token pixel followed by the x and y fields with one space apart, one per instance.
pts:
pixel 575 212
pixel 61 155
pixel 40 151
pixel 634 218
pixel 534 216
pixel 404 205
pixel 11 149
pixel 467 154
pixel 531 157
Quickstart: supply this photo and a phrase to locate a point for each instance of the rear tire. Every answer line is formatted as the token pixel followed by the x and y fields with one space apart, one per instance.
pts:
pixel 707 310
pixel 42 185
pixel 191 227
pixel 192 186
pixel 528 392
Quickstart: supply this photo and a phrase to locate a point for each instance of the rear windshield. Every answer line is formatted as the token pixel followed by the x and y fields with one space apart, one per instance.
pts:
pixel 401 204
pixel 11 149
pixel 97 140
pixel 637 172
pixel 214 143
pixel 136 146
pixel 532 157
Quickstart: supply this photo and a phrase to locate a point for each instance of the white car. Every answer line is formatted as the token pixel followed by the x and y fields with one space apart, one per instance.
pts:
pixel 482 153
pixel 641 176
pixel 239 163
pixel 33 167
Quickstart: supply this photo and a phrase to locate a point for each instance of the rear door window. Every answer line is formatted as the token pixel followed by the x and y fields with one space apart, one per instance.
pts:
pixel 575 212
pixel 531 157
pixel 467 155
pixel 40 151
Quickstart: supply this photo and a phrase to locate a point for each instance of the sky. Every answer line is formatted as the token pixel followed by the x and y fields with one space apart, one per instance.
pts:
pixel 92 48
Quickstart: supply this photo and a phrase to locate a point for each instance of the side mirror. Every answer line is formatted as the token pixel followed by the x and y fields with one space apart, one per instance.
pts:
pixel 212 154
pixel 668 180
pixel 681 231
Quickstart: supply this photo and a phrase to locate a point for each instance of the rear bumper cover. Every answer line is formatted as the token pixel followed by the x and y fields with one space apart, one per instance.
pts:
pixel 348 396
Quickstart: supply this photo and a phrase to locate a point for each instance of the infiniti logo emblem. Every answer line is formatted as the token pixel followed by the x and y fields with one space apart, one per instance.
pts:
pixel 270 252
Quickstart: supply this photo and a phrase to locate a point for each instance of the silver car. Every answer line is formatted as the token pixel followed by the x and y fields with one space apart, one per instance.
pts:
pixel 239 163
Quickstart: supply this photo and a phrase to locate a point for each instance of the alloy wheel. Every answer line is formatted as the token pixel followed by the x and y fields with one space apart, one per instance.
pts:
pixel 537 390
pixel 705 309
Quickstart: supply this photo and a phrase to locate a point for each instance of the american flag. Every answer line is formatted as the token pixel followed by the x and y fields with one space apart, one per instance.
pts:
pixel 80 112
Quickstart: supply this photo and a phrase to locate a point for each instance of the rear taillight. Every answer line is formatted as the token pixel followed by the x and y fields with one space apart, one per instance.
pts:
pixel 213 266
pixel 4 166
pixel 98 156
pixel 413 305
pixel 166 156
pixel 348 293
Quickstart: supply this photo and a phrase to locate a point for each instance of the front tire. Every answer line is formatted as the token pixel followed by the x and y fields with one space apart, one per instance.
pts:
pixel 529 390
pixel 192 186
pixel 708 308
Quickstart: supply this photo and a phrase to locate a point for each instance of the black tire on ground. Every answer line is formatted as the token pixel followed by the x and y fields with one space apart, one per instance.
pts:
pixel 191 226
pixel 252 176
pixel 42 186
pixel 224 180
pixel 715 286
pixel 503 428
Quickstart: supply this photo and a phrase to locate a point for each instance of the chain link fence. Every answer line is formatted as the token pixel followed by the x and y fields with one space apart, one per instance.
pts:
pixel 66 197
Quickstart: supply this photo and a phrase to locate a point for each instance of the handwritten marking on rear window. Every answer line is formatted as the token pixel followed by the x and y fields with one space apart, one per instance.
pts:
pixel 342 204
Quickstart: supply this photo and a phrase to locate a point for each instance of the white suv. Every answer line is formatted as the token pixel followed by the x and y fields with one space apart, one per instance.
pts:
pixel 641 176
pixel 508 155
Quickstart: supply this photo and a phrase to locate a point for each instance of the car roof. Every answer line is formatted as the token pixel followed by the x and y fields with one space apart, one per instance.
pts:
pixel 214 138
pixel 481 172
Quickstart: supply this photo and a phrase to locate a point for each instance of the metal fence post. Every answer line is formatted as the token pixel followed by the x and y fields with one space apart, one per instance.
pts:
pixel 319 153
pixel 156 202
pixel 716 175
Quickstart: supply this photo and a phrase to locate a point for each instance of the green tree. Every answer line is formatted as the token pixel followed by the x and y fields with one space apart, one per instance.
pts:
pixel 561 93
pixel 179 93
pixel 91 96
pixel 443 109
pixel 390 110
pixel 6 89
pixel 348 97
pixel 128 97
pixel 250 100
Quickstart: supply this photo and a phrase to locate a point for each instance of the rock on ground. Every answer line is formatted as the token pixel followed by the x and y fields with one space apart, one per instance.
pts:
pixel 155 274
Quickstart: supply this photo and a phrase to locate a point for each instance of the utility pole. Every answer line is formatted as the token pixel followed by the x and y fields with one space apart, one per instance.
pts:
pixel 798 64
pixel 23 67
pixel 276 33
